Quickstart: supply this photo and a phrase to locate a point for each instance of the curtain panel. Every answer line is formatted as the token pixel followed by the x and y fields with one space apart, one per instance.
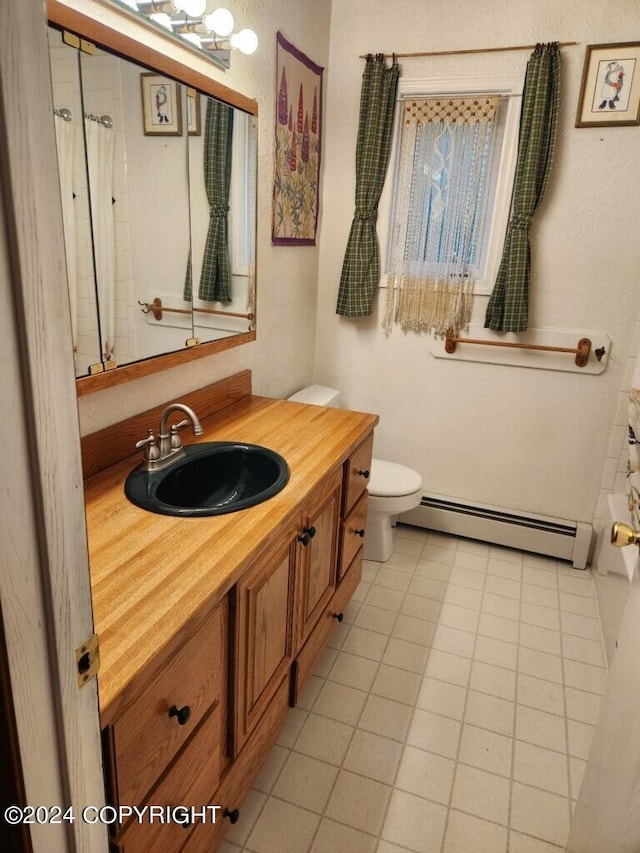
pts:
pixel 215 278
pixel 441 198
pixel 508 308
pixel 361 267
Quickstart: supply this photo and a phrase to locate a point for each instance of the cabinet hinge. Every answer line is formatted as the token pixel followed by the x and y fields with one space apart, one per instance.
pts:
pixel 88 660
pixel 79 43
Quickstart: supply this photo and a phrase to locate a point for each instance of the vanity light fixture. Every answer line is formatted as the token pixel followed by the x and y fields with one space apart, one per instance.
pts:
pixel 211 32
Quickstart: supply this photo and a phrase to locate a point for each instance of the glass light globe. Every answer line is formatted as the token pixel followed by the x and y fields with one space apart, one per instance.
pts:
pixel 192 8
pixel 246 41
pixel 220 22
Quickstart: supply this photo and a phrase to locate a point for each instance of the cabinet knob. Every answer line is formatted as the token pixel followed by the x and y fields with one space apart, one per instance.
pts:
pixel 232 815
pixel 338 616
pixel 366 474
pixel 183 714
pixel 307 535
pixel 359 532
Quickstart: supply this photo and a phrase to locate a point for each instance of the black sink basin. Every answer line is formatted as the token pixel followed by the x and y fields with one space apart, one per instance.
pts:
pixel 213 478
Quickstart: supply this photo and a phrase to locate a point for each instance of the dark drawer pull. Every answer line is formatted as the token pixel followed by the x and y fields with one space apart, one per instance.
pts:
pixel 307 535
pixel 366 474
pixel 338 616
pixel 232 815
pixel 183 714
pixel 360 532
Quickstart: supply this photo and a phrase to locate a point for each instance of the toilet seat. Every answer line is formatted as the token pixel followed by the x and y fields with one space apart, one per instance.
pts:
pixel 388 480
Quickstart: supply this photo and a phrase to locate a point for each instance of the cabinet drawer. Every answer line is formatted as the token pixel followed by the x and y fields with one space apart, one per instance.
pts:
pixel 357 474
pixel 352 534
pixel 148 733
pixel 190 782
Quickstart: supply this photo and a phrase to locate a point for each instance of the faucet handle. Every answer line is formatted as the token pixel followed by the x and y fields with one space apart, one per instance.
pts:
pixel 151 450
pixel 175 441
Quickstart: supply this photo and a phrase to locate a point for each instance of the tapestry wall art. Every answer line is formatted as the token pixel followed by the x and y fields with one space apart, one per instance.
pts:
pixel 298 136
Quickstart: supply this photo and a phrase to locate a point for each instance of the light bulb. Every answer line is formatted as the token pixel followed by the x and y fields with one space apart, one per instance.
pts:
pixel 220 22
pixel 246 41
pixel 192 8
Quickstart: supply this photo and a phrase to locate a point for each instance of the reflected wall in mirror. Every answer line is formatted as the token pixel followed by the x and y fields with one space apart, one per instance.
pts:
pixel 144 202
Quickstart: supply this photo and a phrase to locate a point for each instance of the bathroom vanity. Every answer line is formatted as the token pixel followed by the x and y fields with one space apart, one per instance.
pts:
pixel 209 627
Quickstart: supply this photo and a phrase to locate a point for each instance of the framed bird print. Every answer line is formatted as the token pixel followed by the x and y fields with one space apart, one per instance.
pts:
pixel 610 90
pixel 161 107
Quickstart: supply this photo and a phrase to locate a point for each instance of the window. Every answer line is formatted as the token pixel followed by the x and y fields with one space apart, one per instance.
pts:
pixel 454 161
pixel 242 201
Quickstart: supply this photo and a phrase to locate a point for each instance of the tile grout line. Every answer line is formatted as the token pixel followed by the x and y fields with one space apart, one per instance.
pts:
pixel 462 721
pixel 515 719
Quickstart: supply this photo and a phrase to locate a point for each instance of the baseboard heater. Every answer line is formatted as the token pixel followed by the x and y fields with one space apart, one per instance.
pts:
pixel 565 540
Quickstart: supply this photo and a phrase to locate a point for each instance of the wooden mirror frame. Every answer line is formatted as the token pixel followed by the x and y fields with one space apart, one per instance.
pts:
pixel 129 48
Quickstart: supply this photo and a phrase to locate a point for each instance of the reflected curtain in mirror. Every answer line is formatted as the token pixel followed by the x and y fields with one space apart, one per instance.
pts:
pixel 100 151
pixel 215 278
pixel 64 144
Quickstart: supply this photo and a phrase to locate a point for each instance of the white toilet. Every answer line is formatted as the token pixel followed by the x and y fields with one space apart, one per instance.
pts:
pixel 392 488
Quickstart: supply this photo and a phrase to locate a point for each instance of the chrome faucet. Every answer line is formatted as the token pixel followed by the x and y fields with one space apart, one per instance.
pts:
pixel 169 449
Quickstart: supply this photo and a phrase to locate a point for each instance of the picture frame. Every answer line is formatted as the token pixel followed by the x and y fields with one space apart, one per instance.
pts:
pixel 610 88
pixel 161 106
pixel 194 121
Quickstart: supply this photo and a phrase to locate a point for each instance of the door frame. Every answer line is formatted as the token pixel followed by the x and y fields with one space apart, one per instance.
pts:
pixel 44 566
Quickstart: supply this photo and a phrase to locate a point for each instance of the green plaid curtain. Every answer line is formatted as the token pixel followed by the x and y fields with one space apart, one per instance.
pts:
pixel 361 266
pixel 507 310
pixel 215 278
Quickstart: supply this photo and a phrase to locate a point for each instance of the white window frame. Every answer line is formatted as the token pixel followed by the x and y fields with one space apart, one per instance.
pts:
pixel 509 87
pixel 242 194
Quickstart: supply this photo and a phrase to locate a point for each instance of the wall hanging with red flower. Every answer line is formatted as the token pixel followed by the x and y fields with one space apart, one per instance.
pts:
pixel 298 135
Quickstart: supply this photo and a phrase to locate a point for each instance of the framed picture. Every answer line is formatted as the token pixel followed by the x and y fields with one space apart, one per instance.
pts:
pixel 610 90
pixel 161 110
pixel 194 126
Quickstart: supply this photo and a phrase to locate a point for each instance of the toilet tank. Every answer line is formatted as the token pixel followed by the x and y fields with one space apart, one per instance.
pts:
pixel 319 395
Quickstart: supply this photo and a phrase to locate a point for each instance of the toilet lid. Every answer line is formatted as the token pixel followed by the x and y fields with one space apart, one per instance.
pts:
pixel 389 479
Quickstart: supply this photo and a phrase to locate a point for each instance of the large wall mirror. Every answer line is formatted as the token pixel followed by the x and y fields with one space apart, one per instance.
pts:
pixel 158 186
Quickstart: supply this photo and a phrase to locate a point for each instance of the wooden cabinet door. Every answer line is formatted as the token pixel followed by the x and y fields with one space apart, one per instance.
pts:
pixel 317 555
pixel 264 620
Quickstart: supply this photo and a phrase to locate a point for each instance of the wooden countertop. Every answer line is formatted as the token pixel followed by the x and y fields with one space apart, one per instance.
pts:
pixel 151 574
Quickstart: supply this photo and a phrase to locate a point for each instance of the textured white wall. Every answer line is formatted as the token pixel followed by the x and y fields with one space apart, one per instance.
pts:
pixel 527 439
pixel 282 356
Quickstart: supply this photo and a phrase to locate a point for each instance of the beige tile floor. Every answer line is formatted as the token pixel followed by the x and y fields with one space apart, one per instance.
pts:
pixel 451 713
